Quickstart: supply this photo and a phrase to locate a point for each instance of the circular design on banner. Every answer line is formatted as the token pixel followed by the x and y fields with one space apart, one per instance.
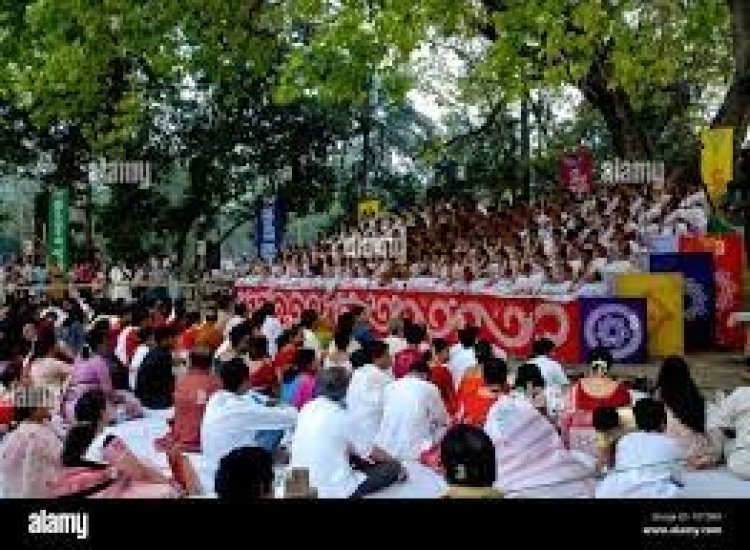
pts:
pixel 725 291
pixel 563 323
pixel 697 300
pixel 439 314
pixel 615 327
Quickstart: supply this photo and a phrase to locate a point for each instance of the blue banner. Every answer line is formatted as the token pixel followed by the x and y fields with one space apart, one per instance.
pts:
pixel 270 228
pixel 618 324
pixel 697 268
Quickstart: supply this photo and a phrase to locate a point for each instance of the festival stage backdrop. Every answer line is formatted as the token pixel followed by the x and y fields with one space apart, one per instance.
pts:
pixel 728 252
pixel 664 293
pixel 619 324
pixel 697 270
pixel 509 322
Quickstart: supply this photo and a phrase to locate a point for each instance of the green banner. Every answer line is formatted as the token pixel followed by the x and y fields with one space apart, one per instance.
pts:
pixel 57 229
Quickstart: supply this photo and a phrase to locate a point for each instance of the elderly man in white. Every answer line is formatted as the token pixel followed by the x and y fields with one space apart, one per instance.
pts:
pixel 323 443
pixel 364 398
pixel 236 416
pixel 414 416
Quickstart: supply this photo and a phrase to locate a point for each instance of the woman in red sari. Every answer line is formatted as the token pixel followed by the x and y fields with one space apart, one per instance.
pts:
pixel 598 389
pixel 475 403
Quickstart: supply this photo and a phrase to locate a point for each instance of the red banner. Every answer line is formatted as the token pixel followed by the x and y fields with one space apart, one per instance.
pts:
pixel 728 252
pixel 577 171
pixel 510 323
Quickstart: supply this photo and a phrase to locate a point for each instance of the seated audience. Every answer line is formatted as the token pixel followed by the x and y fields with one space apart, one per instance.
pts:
pixel 647 462
pixel 441 376
pixel 236 416
pixel 733 416
pixel 474 403
pixel 323 444
pixel 298 382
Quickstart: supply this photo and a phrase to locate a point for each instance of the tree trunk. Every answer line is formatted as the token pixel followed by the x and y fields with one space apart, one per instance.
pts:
pixel 628 136
pixel 735 109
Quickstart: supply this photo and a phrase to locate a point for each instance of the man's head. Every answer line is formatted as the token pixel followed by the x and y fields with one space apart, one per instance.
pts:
pixel 308 318
pixel 467 336
pixel 332 383
pixel 494 372
pixel 360 314
pixel 414 334
pixel 650 415
pixel 440 349
pixel 396 326
pixel 239 337
pixel 234 375
pixel 245 474
pixel 163 336
pixel 200 359
pixel 468 456
pixel 379 355
pixel 240 310
pixel 542 346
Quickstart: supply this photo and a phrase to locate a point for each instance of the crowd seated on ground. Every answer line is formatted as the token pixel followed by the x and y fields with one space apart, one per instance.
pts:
pixel 558 245
pixel 356 418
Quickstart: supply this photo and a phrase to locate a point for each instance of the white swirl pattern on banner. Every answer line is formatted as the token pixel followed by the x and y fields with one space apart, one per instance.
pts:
pixel 697 303
pixel 510 325
pixel 616 327
pixel 563 323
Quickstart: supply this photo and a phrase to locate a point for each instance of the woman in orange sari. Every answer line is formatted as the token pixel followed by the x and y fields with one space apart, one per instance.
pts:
pixel 475 403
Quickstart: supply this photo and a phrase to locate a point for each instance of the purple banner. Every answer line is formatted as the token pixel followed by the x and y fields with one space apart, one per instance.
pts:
pixel 618 324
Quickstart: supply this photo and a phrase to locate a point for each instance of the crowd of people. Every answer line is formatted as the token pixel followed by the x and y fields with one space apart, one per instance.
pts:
pixel 345 409
pixel 554 245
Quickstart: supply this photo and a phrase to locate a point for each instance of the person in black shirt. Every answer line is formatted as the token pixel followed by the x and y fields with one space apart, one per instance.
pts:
pixel 154 384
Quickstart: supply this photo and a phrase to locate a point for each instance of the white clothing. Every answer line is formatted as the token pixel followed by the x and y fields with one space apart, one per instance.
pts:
pixel 552 371
pixel 233 322
pixel 364 404
pixel 645 466
pixel 121 346
pixel 271 329
pixel 135 363
pixel 734 412
pixel 322 443
pixel 413 418
pixel 310 341
pixel 460 359
pixel 232 421
pixel 395 344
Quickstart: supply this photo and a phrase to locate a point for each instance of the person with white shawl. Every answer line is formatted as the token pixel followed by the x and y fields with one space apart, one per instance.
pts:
pixel 532 461
pixel 732 414
pixel 647 462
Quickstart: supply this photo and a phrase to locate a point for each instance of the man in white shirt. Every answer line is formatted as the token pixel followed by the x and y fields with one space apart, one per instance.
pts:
pixel 395 339
pixel 236 416
pixel 414 416
pixel 309 339
pixel 323 444
pixel 364 398
pixel 552 371
pixel 271 328
pixel 461 356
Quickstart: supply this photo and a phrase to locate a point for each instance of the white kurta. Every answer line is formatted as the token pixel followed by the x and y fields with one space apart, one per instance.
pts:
pixel 413 418
pixel 552 371
pixel 460 360
pixel 734 412
pixel 271 329
pixel 364 403
pixel 232 421
pixel 645 465
pixel 321 444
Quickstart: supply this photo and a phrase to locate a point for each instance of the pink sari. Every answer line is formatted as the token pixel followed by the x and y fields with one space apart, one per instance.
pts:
pixel 125 477
pixel 532 461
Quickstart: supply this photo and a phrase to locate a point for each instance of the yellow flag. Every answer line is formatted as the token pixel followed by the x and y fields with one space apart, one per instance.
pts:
pixel 716 161
pixel 664 307
pixel 368 208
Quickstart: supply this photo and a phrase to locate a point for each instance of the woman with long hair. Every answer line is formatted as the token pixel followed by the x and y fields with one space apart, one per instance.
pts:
pixel 686 413
pixel 125 476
